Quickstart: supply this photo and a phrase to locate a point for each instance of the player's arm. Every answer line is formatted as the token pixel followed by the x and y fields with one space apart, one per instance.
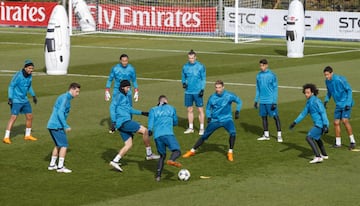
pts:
pixel 276 89
pixel 61 113
pixel 323 114
pixel 183 78
pixel 175 118
pixel 203 77
pixel 108 84
pixel 302 115
pixel 348 91
pixel 151 120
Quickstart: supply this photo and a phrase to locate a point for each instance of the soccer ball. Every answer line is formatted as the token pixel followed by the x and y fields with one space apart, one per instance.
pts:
pixel 184 175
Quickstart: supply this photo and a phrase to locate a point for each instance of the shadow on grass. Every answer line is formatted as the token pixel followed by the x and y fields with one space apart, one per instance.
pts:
pixel 305 153
pixel 106 121
pixel 254 129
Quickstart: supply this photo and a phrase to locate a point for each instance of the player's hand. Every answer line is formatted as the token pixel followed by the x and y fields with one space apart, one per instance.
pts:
pixel 34 99
pixel 201 93
pixel 10 102
pixel 107 94
pixel 146 114
pixel 68 129
pixel 184 85
pixel 208 120
pixel 347 108
pixel 325 103
pixel 237 114
pixel 255 105
pixel 273 107
pixel 136 95
pixel 325 129
pixel 292 125
pixel 150 133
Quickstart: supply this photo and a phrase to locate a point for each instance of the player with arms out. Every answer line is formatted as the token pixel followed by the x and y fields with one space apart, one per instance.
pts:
pixel 218 112
pixel 20 85
pixel 267 96
pixel 58 127
pixel 119 72
pixel 193 79
pixel 339 88
pixel 162 119
pixel 127 127
pixel 317 111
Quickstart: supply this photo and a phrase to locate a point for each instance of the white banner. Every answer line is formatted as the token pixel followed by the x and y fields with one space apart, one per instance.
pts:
pixel 272 23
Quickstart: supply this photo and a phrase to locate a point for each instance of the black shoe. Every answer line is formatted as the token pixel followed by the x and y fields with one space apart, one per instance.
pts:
pixel 352 146
pixel 336 146
pixel 112 128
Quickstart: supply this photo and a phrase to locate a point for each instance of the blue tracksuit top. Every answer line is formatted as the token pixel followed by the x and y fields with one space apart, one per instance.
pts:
pixel 194 75
pixel 317 111
pixel 218 107
pixel 266 87
pixel 60 112
pixel 123 109
pixel 340 90
pixel 19 87
pixel 162 119
pixel 119 73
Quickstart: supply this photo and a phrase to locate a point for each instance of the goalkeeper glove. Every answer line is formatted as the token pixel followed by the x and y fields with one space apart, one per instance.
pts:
pixel 201 93
pixel 10 102
pixel 237 114
pixel 145 114
pixel 107 94
pixel 255 105
pixel 325 129
pixel 136 95
pixel 292 125
pixel 34 99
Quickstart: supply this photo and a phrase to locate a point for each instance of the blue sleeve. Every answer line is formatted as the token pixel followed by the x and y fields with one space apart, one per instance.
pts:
pixel 257 90
pixel 110 79
pixel 133 78
pixel 135 111
pixel 31 90
pixel 323 114
pixel 348 90
pixel 208 108
pixel 151 120
pixel 203 78
pixel 12 85
pixel 175 118
pixel 61 112
pixel 275 87
pixel 302 115
pixel 328 94
pixel 238 103
pixel 183 77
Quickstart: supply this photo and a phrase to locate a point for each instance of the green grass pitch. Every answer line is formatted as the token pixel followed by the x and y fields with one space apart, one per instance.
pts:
pixel 263 173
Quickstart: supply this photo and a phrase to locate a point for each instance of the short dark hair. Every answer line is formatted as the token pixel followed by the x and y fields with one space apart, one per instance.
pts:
pixel 74 85
pixel 192 52
pixel 263 61
pixel 328 69
pixel 124 55
pixel 312 88
pixel 219 82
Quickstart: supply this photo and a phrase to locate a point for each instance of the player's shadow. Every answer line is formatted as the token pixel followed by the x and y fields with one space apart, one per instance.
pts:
pixel 305 153
pixel 183 122
pixel 325 138
pixel 47 158
pixel 206 147
pixel 248 128
pixel 105 122
pixel 18 130
pixel 282 52
pixel 142 163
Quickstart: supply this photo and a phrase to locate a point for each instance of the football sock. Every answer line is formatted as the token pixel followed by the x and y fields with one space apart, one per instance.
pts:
pixel 313 146
pixel 352 138
pixel 148 151
pixel 266 133
pixel 191 126
pixel 27 131
pixel 160 165
pixel 193 150
pixel 277 122
pixel 7 134
pixel 338 140
pixel 175 154
pixel 230 151
pixel 201 126
pixel 231 142
pixel 61 162
pixel 117 158
pixel 321 146
pixel 265 123
pixel 279 133
pixel 53 160
pixel 198 143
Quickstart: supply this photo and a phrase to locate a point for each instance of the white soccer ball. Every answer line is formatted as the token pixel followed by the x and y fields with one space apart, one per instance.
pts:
pixel 184 175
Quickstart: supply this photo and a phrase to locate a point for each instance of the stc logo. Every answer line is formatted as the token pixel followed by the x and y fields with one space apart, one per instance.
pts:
pixel 349 22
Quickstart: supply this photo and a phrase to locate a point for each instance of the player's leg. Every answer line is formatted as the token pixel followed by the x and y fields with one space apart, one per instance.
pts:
pixel 62 144
pixel 145 135
pixel 112 116
pixel 54 153
pixel 278 127
pixel 174 147
pixel 188 101
pixel 199 103
pixel 161 148
pixel 263 112
pixel 346 114
pixel 211 127
pixel 337 120
pixel 314 133
pixel 321 146
pixel 27 110
pixel 15 111
pixel 230 128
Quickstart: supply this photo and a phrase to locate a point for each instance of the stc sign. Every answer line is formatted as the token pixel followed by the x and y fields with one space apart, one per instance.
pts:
pixel 318 24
